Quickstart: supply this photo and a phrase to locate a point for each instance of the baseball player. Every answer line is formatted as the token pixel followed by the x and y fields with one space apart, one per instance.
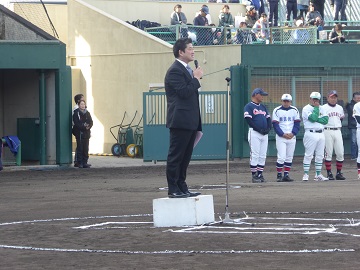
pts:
pixel 286 123
pixel 259 121
pixel 333 136
pixel 314 118
pixel 357 117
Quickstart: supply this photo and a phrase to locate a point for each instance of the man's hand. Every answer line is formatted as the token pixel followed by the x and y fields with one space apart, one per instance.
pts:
pixel 198 73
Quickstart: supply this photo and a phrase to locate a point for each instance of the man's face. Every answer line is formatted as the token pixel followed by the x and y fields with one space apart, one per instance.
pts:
pixel 178 10
pixel 332 99
pixel 286 103
pixel 258 98
pixel 356 98
pixel 203 14
pixel 314 101
pixel 188 55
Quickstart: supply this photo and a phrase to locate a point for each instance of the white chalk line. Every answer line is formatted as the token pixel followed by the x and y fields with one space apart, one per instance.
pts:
pixel 160 252
pixel 195 229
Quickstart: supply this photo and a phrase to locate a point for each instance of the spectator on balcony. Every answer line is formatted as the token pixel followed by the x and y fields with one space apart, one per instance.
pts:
pixel 226 20
pixel 203 35
pixel 303 6
pixel 243 35
pixel 251 16
pixel 319 5
pixel 225 17
pixel 178 17
pixel 339 6
pixel 260 28
pixel 312 15
pixel 291 7
pixel 300 35
pixel 336 35
pixel 208 16
pixel 274 12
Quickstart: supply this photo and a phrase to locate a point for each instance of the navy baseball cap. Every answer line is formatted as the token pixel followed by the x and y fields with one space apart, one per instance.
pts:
pixel 332 93
pixel 205 10
pixel 259 91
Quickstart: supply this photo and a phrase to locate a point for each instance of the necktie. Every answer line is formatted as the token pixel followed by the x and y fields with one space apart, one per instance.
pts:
pixel 189 70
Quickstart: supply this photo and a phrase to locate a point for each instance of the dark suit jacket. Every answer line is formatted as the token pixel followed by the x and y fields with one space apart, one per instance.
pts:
pixel 182 95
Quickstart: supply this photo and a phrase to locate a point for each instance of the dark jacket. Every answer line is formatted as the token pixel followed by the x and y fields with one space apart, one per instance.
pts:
pixel 333 37
pixel 79 128
pixel 182 96
pixel 350 110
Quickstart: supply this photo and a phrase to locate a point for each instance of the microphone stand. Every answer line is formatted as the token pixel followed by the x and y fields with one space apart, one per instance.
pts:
pixel 227 214
pixel 227 218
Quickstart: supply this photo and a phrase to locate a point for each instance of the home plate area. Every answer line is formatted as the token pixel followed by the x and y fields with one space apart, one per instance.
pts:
pixel 77 234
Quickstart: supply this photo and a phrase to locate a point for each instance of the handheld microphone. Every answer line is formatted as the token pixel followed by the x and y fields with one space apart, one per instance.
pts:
pixel 196 63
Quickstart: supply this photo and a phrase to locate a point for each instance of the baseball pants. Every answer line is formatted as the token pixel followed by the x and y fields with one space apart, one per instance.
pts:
pixel 285 149
pixel 258 147
pixel 314 143
pixel 334 142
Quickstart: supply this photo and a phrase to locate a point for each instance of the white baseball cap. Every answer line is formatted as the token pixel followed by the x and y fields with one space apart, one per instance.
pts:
pixel 316 95
pixel 286 97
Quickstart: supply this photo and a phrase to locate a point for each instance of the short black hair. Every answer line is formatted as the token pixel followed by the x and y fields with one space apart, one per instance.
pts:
pixel 78 97
pixel 177 6
pixel 356 94
pixel 180 45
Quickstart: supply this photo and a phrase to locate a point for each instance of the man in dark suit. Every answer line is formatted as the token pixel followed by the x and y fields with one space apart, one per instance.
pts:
pixel 183 116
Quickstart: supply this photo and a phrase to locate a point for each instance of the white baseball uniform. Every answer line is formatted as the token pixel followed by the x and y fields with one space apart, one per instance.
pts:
pixel 285 118
pixel 357 113
pixel 314 139
pixel 332 132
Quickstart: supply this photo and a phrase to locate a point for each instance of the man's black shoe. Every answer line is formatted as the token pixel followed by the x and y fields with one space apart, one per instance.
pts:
pixel 178 195
pixel 86 166
pixel 340 176
pixel 287 178
pixel 76 164
pixel 279 178
pixel 330 176
pixel 192 194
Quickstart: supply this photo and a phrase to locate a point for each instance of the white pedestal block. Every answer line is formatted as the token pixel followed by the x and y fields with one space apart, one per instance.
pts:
pixel 183 212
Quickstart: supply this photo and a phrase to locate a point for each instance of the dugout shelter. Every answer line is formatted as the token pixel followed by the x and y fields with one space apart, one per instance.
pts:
pixel 35 90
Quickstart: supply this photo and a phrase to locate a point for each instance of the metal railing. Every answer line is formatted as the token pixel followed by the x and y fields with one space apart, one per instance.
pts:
pixel 211 35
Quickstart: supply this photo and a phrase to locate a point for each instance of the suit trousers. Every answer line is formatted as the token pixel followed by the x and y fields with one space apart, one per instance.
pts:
pixel 178 159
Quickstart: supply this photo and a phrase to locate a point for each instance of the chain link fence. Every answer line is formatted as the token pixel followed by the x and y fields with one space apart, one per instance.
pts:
pixel 210 35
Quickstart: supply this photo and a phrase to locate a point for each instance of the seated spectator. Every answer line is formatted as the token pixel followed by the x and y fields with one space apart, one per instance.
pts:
pixel 178 17
pixel 336 35
pixel 312 15
pixel 260 28
pixel 234 1
pixel 243 35
pixel 221 1
pixel 225 17
pixel 203 35
pixel 301 35
pixel 208 16
pixel 251 16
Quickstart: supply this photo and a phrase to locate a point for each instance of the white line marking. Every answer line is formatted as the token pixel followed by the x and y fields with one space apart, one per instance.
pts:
pixel 179 251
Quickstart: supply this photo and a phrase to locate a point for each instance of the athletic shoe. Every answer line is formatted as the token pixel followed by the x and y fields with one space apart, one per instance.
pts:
pixel 340 176
pixel 330 176
pixel 287 178
pixel 256 179
pixel 279 178
pixel 262 179
pixel 305 177
pixel 320 177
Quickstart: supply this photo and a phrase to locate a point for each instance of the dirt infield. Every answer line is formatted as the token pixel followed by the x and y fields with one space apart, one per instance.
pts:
pixel 102 219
